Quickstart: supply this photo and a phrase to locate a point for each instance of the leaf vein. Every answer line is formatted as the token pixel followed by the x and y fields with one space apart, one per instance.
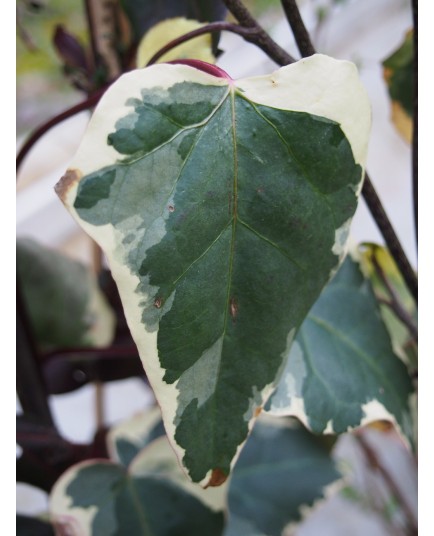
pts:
pixel 273 244
pixel 365 357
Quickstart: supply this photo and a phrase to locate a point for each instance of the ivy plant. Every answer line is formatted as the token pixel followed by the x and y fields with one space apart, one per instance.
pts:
pixel 224 207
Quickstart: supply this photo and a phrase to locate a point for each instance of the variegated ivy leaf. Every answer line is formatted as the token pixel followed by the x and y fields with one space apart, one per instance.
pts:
pixel 342 372
pixel 101 497
pixel 223 207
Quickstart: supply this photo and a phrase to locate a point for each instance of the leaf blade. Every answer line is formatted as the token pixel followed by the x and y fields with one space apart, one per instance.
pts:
pixel 342 371
pixel 200 222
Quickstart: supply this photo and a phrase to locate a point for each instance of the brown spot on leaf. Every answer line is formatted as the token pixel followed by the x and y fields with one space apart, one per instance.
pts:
pixel 171 208
pixel 258 411
pixel 217 478
pixel 158 302
pixel 66 182
pixel 233 308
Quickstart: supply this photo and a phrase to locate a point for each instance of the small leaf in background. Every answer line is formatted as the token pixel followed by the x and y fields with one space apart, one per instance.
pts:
pixel 283 468
pixel 162 33
pixel 223 207
pixel 398 74
pixel 64 303
pixel 145 15
pixel 402 343
pixel 108 499
pixel 342 371
pixel 69 48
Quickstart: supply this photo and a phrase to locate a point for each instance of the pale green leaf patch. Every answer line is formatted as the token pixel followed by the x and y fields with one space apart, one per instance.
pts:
pixel 223 207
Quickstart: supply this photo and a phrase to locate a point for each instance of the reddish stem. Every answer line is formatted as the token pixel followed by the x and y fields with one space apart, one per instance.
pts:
pixel 203 66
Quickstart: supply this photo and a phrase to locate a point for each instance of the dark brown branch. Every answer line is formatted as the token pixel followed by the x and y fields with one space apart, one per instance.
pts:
pixel 208 28
pixel 43 129
pixel 298 28
pixel 31 388
pixel 378 213
pixel 415 118
pixel 94 60
pixel 102 24
pixel 89 353
pixel 261 39
pixel 372 200
pixel 376 464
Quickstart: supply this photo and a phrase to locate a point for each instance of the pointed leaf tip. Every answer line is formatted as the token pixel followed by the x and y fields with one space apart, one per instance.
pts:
pixel 218 477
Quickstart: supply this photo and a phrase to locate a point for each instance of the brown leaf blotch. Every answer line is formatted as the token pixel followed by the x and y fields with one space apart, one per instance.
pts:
pixel 233 307
pixel 258 411
pixel 66 182
pixel 217 478
pixel 158 302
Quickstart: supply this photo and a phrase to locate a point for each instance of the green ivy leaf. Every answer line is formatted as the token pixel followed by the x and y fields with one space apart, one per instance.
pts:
pixel 152 497
pixel 223 207
pixel 65 305
pixel 342 371
pixel 281 469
